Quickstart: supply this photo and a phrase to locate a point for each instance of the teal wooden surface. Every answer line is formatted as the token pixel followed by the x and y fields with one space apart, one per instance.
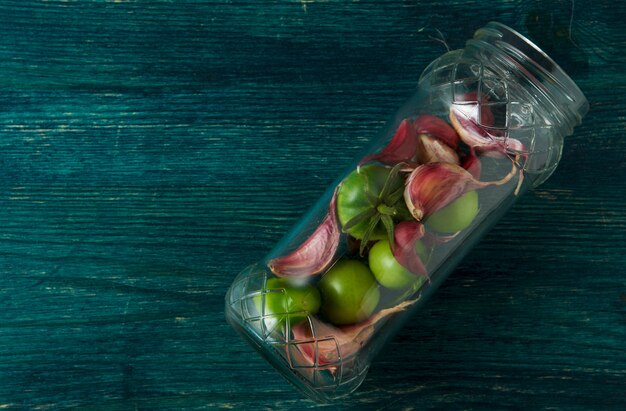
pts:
pixel 151 150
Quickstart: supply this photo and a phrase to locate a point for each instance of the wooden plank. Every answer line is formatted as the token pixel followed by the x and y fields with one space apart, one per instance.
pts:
pixel 151 150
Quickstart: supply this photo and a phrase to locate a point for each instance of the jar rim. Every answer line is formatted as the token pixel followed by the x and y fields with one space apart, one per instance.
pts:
pixel 575 100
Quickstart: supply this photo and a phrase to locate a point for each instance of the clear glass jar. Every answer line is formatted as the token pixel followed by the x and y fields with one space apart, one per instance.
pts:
pixel 486 123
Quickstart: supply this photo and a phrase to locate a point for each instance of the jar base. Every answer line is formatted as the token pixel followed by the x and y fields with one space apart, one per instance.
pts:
pixel 315 382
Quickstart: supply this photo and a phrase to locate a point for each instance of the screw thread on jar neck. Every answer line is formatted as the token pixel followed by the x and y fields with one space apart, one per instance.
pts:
pixel 552 86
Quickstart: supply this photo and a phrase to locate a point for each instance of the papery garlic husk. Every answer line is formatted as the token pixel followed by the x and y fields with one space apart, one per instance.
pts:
pixel 463 119
pixel 319 344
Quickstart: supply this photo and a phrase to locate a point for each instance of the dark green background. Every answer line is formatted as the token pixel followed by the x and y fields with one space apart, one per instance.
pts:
pixel 149 150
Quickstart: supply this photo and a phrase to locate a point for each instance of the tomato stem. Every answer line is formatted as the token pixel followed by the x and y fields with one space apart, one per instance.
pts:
pixel 384 209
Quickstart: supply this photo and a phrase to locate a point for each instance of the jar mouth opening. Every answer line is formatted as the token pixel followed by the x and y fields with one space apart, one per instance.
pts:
pixel 553 75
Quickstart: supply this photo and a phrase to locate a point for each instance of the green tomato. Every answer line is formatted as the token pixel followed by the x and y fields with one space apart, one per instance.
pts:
pixel 352 199
pixel 387 270
pixel 349 293
pixel 285 302
pixel 456 216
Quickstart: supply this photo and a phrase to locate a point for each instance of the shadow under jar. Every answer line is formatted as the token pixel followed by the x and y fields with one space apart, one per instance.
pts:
pixel 486 123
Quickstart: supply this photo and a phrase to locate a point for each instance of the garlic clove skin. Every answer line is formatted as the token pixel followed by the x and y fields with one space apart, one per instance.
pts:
pixel 463 121
pixel 406 235
pixel 432 150
pixel 430 187
pixel 471 163
pixel 436 127
pixel 322 345
pixel 400 149
pixel 316 253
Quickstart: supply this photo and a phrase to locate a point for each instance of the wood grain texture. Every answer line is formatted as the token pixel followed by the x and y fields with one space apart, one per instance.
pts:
pixel 151 150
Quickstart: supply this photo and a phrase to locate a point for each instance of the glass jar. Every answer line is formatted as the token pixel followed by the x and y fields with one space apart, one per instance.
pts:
pixel 486 123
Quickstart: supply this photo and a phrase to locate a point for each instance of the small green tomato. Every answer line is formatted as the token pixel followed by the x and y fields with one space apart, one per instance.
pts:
pixel 387 270
pixel 349 293
pixel 352 199
pixel 286 302
pixel 456 216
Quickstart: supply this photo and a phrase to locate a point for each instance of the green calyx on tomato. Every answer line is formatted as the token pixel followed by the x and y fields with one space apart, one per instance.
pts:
pixel 281 302
pixel 387 270
pixel 349 292
pixel 369 202
pixel 456 216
